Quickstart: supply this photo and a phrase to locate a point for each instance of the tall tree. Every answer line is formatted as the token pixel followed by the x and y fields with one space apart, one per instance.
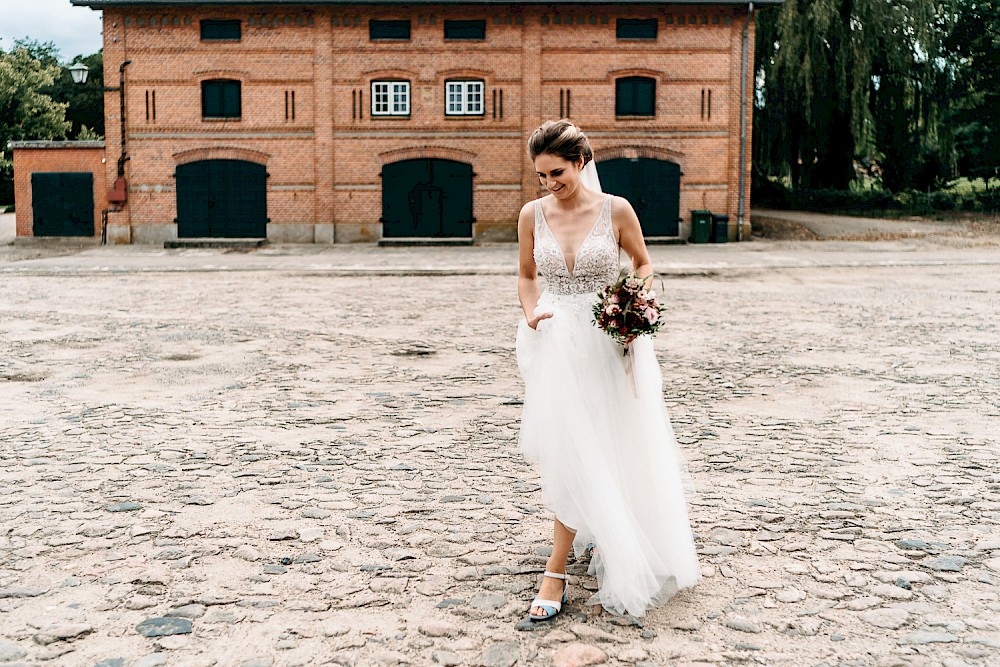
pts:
pixel 25 111
pixel 973 53
pixel 86 102
pixel 838 76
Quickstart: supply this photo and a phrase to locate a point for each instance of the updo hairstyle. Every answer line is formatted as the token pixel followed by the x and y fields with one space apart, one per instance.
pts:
pixel 561 138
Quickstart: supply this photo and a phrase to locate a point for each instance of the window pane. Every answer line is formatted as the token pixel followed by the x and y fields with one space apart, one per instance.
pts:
pixel 380 98
pixel 474 97
pixel 400 98
pixel 389 29
pixel 220 29
pixel 636 29
pixel 464 29
pixel 454 97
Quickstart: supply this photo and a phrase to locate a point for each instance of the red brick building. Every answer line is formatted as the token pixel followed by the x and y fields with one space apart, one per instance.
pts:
pixel 328 121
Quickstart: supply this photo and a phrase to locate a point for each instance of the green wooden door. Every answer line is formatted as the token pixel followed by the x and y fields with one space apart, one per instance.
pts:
pixel 62 203
pixel 221 199
pixel 653 187
pixel 427 198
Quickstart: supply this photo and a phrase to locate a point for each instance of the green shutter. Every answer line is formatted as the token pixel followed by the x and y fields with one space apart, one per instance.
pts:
pixel 635 29
pixel 220 29
pixel 221 99
pixel 231 107
pixel 635 96
pixel 399 29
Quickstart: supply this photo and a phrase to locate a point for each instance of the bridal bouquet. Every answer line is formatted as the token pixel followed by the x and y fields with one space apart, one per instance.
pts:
pixel 625 309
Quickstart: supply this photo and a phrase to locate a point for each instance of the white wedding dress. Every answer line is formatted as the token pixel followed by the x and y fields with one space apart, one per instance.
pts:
pixel 609 464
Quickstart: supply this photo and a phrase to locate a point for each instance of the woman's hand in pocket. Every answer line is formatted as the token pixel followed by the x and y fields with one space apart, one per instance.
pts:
pixel 533 322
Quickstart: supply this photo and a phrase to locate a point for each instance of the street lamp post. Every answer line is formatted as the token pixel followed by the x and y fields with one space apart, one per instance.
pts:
pixel 79 74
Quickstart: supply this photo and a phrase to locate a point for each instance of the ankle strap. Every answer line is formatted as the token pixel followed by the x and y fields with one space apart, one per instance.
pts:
pixel 555 575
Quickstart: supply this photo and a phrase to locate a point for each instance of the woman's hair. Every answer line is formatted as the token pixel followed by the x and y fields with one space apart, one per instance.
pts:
pixel 561 138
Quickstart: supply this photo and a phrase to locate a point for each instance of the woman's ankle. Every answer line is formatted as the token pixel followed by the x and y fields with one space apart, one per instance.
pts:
pixel 555 567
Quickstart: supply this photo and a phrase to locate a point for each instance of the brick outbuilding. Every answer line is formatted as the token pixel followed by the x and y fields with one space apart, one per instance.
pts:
pixel 59 188
pixel 328 121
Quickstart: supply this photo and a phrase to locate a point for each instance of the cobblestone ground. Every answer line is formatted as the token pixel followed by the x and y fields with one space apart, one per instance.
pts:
pixel 282 468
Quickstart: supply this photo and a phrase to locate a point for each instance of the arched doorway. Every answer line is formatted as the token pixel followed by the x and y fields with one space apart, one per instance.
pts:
pixel 653 187
pixel 221 199
pixel 427 198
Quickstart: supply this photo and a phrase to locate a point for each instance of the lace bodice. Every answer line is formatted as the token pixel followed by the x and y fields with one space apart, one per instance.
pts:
pixel 597 261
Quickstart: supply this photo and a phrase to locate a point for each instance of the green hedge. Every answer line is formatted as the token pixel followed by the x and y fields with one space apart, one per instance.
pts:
pixel 868 202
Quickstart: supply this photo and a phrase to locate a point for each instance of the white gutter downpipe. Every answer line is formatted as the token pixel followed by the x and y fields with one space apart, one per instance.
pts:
pixel 741 211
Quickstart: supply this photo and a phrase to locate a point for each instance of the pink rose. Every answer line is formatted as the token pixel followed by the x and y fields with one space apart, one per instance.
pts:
pixel 652 315
pixel 612 309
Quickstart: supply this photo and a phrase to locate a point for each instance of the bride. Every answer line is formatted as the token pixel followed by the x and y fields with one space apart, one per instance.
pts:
pixel 609 465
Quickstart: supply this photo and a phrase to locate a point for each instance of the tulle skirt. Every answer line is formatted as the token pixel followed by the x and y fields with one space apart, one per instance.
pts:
pixel 604 448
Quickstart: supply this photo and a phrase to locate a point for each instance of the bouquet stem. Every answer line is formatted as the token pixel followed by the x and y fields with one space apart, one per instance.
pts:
pixel 630 369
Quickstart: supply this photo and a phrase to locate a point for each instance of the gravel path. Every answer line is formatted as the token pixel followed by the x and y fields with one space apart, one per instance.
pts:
pixel 274 466
pixel 828 226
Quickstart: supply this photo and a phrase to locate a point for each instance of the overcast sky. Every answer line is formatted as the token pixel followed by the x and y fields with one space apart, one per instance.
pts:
pixel 75 30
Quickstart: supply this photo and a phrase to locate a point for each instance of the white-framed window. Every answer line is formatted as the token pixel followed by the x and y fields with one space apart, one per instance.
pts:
pixel 390 98
pixel 464 98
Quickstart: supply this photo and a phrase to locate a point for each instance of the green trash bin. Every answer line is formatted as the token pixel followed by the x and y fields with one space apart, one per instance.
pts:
pixel 720 228
pixel 701 226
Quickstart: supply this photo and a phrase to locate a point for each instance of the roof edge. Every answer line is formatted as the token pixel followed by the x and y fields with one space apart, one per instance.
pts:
pixel 40 143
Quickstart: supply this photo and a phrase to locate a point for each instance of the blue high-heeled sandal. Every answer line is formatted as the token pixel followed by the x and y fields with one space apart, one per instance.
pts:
pixel 550 607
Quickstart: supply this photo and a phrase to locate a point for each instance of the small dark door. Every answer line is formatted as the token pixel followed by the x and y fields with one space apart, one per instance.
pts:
pixel 221 199
pixel 653 187
pixel 427 198
pixel 62 204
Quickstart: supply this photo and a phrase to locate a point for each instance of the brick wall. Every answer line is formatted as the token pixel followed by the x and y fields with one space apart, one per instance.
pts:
pixel 324 164
pixel 55 156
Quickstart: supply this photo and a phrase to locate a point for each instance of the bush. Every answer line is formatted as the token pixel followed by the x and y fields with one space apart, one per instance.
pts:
pixel 846 201
pixel 770 194
pixel 874 202
pixel 988 201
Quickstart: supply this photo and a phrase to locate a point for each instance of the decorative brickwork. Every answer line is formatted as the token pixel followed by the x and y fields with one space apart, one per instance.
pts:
pixel 601 154
pixel 441 152
pixel 220 153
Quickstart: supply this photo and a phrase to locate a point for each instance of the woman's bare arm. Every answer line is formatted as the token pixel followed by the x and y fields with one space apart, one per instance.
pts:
pixel 527 275
pixel 630 238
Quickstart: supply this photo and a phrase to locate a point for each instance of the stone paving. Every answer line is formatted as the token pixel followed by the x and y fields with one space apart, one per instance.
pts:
pixel 275 464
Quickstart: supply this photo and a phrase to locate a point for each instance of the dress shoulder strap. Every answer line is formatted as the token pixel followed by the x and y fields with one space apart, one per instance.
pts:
pixel 605 216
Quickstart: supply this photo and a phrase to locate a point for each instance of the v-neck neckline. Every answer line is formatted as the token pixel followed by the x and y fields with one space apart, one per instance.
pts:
pixel 576 255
